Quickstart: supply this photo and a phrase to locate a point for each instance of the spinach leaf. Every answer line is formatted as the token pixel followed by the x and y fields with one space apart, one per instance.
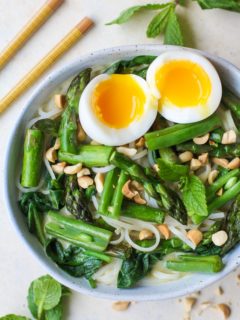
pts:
pixel 134 269
pixel 13 317
pixel 158 23
pixel 128 13
pixel 232 5
pixel 170 171
pixel 194 198
pixel 35 222
pixel 173 34
pixel 73 260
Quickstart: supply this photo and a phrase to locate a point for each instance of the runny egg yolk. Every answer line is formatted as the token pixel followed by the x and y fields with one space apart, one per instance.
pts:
pixel 183 83
pixel 118 100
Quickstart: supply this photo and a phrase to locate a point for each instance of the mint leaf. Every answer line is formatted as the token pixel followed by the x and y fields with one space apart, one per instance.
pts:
pixel 13 317
pixel 158 23
pixel 170 171
pixel 173 34
pixel 232 5
pixel 194 198
pixel 55 313
pixel 128 13
pixel 47 293
pixel 31 304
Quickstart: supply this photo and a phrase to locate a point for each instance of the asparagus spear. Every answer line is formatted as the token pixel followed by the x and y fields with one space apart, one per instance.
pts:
pixel 228 195
pixel 118 196
pixel 35 223
pixel 179 133
pixel 142 212
pixel 108 190
pixel 190 263
pixel 76 201
pixel 68 126
pixel 220 182
pixel 32 158
pixel 231 102
pixel 168 155
pixel 77 232
pixel 90 156
pixel 232 226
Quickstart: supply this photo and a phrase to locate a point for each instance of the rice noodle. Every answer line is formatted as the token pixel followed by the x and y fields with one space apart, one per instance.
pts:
pixel 49 168
pixel 48 115
pixel 150 158
pixel 121 237
pixel 95 202
pixel 140 154
pixel 151 202
pixel 163 274
pixel 108 274
pixel 181 234
pixel 227 120
pixel 26 190
pixel 203 173
pixel 170 220
pixel 217 215
pixel 103 169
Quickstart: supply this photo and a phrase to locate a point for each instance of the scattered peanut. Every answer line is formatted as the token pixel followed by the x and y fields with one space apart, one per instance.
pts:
pixel 225 309
pixel 229 137
pixel 202 139
pixel 73 169
pixel 137 186
pixel 164 230
pixel 59 167
pixel 127 191
pixel 219 192
pixel 81 135
pixel 195 164
pixel 234 164
pixel 155 167
pixel 185 156
pixel 212 176
pixel 203 158
pixel 121 305
pixel 195 236
pixel 60 100
pixel 56 144
pixel 51 155
pixel 219 291
pixel 99 181
pixel 138 199
pixel 219 238
pixel 145 234
pixel 83 172
pixel 129 152
pixel 220 162
pixel 212 143
pixel 189 303
pixel 140 142
pixel 85 181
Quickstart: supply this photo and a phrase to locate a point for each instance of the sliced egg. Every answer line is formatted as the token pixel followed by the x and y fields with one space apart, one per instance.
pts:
pixel 187 86
pixel 117 109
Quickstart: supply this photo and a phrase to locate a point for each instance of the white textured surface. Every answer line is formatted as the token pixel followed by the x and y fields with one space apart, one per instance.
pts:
pixel 214 31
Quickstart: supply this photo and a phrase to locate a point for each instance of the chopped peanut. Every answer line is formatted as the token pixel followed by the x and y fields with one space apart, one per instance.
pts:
pixel 127 191
pixel 225 309
pixel 219 192
pixel 234 164
pixel 99 181
pixel 85 181
pixel 203 158
pixel 51 155
pixel 73 169
pixel 138 199
pixel 56 144
pixel 219 238
pixel 202 139
pixel 219 291
pixel 140 142
pixel 59 167
pixel 164 230
pixel 189 303
pixel 221 162
pixel 195 164
pixel 60 100
pixel 83 172
pixel 212 176
pixel 185 156
pixel 121 305
pixel 137 186
pixel 195 236
pixel 129 152
pixel 229 137
pixel 145 234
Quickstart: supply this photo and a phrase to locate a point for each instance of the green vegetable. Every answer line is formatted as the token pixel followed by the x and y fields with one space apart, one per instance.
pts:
pixel 232 5
pixel 168 155
pixel 32 158
pixel 179 133
pixel 13 317
pixel 77 232
pixel 68 127
pixel 171 171
pixel 88 155
pixel 117 198
pixel 217 135
pixel 228 195
pixel 231 182
pixel 120 251
pixel 231 102
pixel 207 236
pixel 190 263
pixel 76 201
pixel 110 183
pixel 142 212
pixel 128 13
pixel 232 226
pixel 35 222
pixel 194 198
pixel 173 34
pixel 158 23
pixel 48 126
pixel 134 269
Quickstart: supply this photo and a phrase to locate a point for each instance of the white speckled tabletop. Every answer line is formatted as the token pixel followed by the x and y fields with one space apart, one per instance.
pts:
pixel 215 31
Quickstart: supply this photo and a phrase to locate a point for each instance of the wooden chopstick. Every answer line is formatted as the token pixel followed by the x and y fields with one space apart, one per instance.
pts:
pixel 28 30
pixel 46 62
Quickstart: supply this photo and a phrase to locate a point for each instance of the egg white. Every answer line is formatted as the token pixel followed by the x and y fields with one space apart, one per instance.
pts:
pixel 100 132
pixel 186 114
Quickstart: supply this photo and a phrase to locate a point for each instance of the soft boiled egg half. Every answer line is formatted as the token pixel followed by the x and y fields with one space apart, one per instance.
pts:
pixel 186 85
pixel 117 109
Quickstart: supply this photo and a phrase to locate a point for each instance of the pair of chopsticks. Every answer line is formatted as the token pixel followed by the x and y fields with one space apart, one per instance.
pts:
pixel 30 28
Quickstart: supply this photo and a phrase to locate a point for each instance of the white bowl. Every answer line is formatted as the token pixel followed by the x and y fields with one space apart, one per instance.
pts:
pixel 230 75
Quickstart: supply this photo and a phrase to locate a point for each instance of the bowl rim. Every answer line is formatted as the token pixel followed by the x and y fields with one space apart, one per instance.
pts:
pixel 129 294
